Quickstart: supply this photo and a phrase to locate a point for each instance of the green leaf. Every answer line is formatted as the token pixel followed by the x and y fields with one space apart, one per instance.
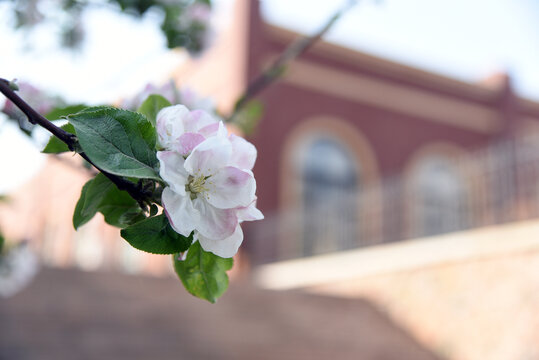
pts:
pixel 100 194
pixel 156 236
pixel 118 141
pixel 120 209
pixel 95 108
pixel 1 243
pixel 83 213
pixel 151 106
pixel 203 273
pixel 62 112
pixel 55 145
pixel 248 117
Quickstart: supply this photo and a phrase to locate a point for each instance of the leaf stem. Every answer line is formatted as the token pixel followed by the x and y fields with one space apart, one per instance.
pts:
pixel 137 192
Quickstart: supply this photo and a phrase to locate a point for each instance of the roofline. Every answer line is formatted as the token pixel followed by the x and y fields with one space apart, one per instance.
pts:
pixel 398 71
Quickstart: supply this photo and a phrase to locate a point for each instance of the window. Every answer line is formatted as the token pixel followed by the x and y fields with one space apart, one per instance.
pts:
pixel 438 198
pixel 330 186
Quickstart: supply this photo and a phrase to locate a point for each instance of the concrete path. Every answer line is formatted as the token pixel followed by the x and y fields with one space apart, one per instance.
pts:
pixel 72 315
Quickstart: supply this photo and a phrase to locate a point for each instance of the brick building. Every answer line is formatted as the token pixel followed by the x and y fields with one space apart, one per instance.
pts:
pixel 356 150
pixel 356 155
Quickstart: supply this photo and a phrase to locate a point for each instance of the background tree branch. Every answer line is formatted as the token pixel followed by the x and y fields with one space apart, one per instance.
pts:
pixel 295 49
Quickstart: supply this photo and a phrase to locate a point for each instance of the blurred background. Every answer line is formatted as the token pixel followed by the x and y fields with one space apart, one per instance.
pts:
pixel 398 172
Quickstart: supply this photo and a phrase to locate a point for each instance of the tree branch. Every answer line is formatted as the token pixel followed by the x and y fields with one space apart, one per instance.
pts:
pixel 35 118
pixel 294 50
pixel 136 191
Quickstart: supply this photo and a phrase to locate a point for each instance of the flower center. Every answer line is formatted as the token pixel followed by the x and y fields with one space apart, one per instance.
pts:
pixel 196 185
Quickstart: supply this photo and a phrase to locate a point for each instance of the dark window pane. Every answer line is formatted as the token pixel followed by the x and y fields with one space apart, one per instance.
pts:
pixel 330 185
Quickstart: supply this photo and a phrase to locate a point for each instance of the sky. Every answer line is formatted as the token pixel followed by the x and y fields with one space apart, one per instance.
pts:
pixel 459 38
pixel 464 39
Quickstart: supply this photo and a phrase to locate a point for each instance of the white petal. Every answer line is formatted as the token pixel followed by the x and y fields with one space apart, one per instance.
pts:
pixel 225 248
pixel 172 170
pixel 249 213
pixel 213 223
pixel 170 124
pixel 208 156
pixel 222 130
pixel 198 119
pixel 243 153
pixel 230 188
pixel 179 209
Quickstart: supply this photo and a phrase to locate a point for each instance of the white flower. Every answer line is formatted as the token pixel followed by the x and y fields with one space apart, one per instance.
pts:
pixel 194 101
pixel 211 187
pixel 181 130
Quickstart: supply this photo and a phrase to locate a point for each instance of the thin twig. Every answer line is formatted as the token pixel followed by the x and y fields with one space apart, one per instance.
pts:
pixel 72 142
pixel 294 50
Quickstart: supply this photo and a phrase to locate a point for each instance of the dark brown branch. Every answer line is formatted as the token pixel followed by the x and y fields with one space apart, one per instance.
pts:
pixel 71 141
pixel 295 49
pixel 35 118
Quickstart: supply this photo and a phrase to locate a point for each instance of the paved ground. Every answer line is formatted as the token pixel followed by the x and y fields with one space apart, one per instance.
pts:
pixel 66 314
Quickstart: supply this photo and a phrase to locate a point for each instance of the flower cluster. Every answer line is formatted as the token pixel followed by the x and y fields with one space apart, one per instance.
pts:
pixel 188 25
pixel 173 94
pixel 194 23
pixel 211 187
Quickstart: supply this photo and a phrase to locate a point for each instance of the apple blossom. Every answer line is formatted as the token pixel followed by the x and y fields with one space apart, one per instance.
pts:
pixel 168 90
pixel 195 101
pixel 173 94
pixel 211 188
pixel 180 129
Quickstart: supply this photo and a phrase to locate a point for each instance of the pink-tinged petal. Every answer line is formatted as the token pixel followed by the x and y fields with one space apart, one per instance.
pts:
pixel 215 129
pixel 208 156
pixel 213 223
pixel 198 119
pixel 230 188
pixel 187 142
pixel 172 170
pixel 243 153
pixel 225 248
pixel 209 130
pixel 170 124
pixel 9 107
pixel 179 209
pixel 249 213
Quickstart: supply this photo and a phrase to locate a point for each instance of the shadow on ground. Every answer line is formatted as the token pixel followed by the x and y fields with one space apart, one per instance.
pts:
pixel 67 314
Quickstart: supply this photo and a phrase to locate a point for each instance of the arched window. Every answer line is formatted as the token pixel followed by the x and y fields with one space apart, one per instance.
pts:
pixel 330 185
pixel 439 197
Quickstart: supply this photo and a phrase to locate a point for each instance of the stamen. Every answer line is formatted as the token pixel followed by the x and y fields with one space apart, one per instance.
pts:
pixel 196 185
